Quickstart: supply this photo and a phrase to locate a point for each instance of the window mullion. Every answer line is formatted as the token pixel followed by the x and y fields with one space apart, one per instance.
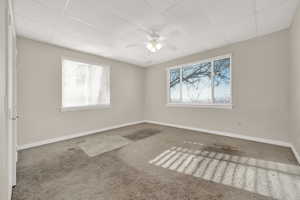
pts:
pixel 212 82
pixel 87 85
pixel 181 100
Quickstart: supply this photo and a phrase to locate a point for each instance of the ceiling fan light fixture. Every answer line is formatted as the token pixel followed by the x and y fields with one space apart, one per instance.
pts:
pixel 153 46
pixel 158 46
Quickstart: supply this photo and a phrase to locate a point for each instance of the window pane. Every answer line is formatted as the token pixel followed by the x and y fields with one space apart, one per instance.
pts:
pixel 84 84
pixel 174 85
pixel 222 88
pixel 196 83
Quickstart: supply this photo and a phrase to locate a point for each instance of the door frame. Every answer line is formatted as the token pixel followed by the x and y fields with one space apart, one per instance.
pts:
pixel 11 95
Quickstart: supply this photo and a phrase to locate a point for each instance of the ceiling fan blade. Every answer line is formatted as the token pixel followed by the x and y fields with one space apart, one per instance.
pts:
pixel 133 45
pixel 161 38
pixel 149 37
pixel 174 33
pixel 144 31
pixel 153 29
pixel 151 33
pixel 171 47
pixel 158 28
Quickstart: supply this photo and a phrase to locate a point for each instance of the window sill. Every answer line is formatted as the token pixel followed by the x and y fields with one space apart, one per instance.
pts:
pixel 78 108
pixel 187 105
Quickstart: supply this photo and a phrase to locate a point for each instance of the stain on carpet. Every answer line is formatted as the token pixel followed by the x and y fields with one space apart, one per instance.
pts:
pixel 224 148
pixel 142 134
pixel 218 147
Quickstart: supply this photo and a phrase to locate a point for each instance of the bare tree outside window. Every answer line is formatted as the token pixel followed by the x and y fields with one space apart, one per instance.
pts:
pixel 207 82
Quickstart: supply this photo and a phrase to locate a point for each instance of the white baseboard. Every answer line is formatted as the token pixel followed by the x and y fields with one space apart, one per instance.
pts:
pixel 222 133
pixel 233 135
pixel 76 135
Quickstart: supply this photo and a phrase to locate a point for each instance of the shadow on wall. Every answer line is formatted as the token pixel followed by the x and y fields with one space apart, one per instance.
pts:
pixel 273 179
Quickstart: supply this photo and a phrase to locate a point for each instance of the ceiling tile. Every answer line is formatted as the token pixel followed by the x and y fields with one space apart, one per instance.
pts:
pixel 190 16
pixel 84 35
pixel 267 4
pixel 36 11
pixel 54 4
pixel 160 5
pixel 107 27
pixel 228 11
pixel 98 16
pixel 243 30
pixel 33 29
pixel 138 12
pixel 276 18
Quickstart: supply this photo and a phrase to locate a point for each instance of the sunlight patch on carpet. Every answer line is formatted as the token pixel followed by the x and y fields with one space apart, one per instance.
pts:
pixel 268 178
pixel 101 144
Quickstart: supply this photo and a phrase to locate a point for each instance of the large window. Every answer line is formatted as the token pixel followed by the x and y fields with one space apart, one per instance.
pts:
pixel 84 85
pixel 205 83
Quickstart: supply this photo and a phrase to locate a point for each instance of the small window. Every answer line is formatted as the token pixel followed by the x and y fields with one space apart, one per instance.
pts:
pixel 84 85
pixel 205 83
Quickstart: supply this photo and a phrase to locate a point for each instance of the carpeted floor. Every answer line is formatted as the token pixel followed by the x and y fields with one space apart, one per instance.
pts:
pixel 163 164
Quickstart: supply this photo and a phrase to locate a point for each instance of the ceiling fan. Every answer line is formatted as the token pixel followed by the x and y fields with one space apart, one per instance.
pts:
pixel 154 42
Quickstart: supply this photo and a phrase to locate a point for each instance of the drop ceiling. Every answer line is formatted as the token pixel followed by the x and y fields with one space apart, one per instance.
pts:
pixel 108 27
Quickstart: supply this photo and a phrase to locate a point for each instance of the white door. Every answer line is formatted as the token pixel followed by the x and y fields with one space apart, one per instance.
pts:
pixel 12 104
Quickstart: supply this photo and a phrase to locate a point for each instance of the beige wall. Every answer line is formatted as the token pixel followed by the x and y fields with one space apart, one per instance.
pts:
pixel 39 94
pixel 260 92
pixel 295 81
pixel 260 89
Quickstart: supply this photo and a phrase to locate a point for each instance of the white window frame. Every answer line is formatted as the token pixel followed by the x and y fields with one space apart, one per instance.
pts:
pixel 88 107
pixel 199 105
